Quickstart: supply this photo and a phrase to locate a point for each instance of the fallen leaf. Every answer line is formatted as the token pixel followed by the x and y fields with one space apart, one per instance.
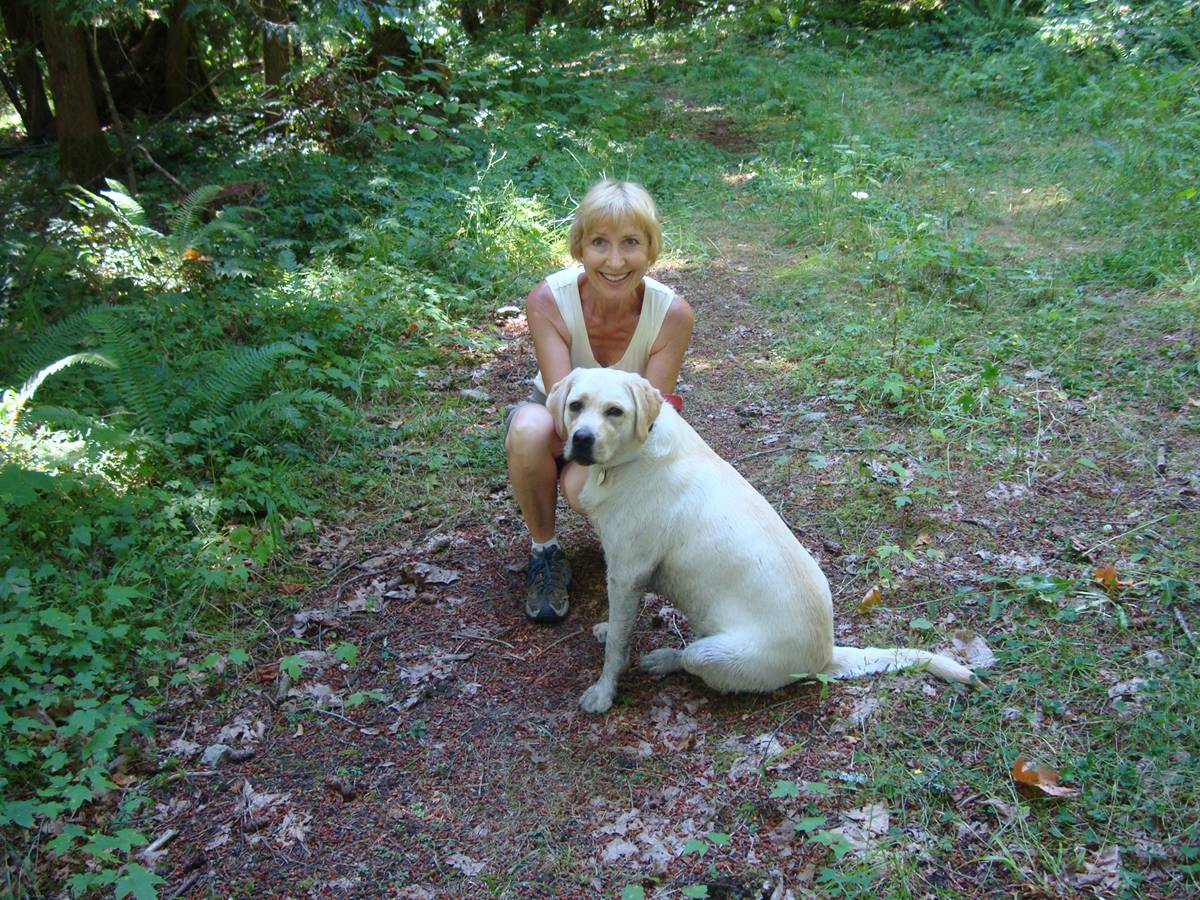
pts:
pixel 1039 777
pixel 1103 873
pixel 427 573
pixel 293 829
pixel 464 864
pixel 617 849
pixel 973 649
pixel 1130 688
pixel 243 728
pixel 923 540
pixel 1106 575
pixel 873 817
pixel 302 621
pixel 290 587
pixel 870 600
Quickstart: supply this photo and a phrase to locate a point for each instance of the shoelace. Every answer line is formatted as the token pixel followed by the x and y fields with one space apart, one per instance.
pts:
pixel 539 567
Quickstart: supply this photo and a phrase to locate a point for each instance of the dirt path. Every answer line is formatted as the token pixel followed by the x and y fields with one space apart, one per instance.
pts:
pixel 470 768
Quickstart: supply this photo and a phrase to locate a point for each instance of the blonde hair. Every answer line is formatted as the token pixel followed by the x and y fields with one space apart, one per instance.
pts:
pixel 609 202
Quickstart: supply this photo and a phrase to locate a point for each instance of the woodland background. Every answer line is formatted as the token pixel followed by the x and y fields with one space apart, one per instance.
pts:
pixel 251 267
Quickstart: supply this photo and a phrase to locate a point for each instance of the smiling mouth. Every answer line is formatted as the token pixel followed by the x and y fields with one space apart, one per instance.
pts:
pixel 614 279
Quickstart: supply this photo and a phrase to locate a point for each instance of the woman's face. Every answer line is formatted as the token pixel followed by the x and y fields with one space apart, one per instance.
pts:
pixel 615 257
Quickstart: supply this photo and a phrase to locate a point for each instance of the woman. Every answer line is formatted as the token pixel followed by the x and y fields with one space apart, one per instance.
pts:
pixel 603 312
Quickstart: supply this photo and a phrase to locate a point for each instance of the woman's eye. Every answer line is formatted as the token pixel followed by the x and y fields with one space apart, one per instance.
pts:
pixel 575 406
pixel 632 242
pixel 614 412
pixel 597 242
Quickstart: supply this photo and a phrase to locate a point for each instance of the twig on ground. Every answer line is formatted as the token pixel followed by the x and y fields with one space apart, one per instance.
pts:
pixel 1116 537
pixel 1187 632
pixel 555 644
pixel 159 842
pixel 330 712
pixel 186 885
pixel 361 575
pixel 180 186
pixel 467 636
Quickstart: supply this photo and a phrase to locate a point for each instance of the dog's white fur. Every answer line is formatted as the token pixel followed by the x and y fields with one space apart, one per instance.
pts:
pixel 674 516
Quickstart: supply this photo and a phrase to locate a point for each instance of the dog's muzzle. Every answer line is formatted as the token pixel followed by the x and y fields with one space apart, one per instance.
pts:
pixel 583 443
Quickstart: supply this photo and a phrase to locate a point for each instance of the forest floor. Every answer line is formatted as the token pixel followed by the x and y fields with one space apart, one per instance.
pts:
pixel 447 756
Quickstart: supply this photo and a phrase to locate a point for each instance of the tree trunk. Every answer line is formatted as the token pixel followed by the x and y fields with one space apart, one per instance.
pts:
pixel 34 108
pixel 469 17
pixel 178 87
pixel 276 48
pixel 83 151
pixel 534 10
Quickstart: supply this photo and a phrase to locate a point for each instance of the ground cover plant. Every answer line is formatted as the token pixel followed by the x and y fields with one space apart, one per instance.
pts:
pixel 259 621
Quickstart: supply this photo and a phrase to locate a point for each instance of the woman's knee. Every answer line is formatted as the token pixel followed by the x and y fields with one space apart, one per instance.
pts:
pixel 531 431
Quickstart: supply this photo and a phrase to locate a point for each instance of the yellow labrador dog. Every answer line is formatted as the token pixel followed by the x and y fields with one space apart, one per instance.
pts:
pixel 674 516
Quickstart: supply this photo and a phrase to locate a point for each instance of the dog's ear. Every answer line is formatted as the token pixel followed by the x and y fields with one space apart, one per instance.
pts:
pixel 647 402
pixel 556 402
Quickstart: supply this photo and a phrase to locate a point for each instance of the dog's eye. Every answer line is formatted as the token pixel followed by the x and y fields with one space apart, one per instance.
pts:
pixel 575 406
pixel 614 412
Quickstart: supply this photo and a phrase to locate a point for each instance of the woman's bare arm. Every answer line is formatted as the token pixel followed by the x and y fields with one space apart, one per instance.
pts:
pixel 551 342
pixel 666 354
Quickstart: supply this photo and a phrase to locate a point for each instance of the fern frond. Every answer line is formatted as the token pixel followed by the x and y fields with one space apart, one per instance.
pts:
pixel 217 226
pixel 26 392
pixel 77 332
pixel 249 416
pixel 237 372
pixel 185 224
pixel 131 211
pixel 139 379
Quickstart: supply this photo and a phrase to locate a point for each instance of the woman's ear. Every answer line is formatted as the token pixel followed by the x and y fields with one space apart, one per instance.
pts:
pixel 647 402
pixel 556 402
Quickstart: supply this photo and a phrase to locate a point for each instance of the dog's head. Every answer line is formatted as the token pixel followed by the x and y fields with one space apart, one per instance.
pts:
pixel 603 414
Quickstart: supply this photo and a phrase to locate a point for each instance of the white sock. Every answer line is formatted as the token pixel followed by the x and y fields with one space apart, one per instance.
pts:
pixel 552 541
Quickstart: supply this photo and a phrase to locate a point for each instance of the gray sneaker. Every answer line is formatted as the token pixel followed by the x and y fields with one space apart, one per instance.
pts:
pixel 546 583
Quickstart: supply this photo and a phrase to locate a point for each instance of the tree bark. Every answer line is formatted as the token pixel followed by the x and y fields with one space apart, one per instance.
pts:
pixel 534 10
pixel 22 31
pixel 175 57
pixel 83 151
pixel 276 49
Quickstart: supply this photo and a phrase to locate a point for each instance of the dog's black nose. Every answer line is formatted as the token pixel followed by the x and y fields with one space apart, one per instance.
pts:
pixel 582 443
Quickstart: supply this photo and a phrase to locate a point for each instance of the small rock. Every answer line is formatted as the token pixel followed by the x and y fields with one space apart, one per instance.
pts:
pixel 507 312
pixel 475 394
pixel 215 754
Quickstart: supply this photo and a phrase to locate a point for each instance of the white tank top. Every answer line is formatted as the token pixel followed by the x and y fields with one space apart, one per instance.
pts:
pixel 564 285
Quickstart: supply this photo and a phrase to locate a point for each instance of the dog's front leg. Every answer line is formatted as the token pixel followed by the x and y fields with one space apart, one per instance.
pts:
pixel 623 605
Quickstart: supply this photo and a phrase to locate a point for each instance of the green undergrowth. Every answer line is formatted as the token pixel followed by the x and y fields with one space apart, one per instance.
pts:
pixel 988 242
pixel 192 392
pixel 969 214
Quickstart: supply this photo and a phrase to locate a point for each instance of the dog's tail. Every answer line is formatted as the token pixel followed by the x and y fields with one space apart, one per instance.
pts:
pixel 852 662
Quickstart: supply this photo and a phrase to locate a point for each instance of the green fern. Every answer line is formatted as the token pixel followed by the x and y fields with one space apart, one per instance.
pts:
pixel 14 403
pixel 188 224
pixel 126 212
pixel 249 416
pixel 234 374
pixel 137 376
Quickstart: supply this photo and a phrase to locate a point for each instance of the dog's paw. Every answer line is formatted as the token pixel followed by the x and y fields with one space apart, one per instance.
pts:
pixel 597 699
pixel 662 661
pixel 600 631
